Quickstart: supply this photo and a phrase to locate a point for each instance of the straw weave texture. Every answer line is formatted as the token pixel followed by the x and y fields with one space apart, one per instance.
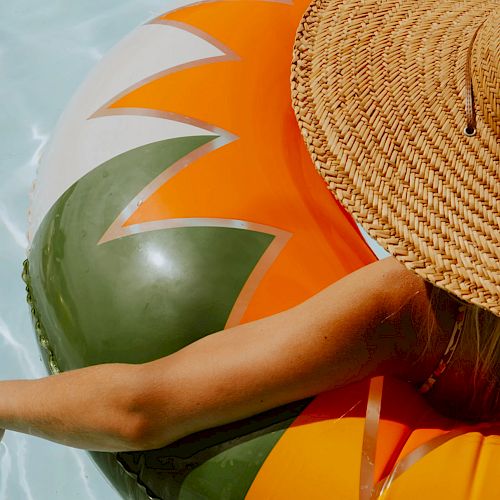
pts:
pixel 378 88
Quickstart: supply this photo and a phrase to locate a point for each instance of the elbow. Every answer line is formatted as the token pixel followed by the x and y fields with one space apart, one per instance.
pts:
pixel 143 433
pixel 138 434
pixel 147 418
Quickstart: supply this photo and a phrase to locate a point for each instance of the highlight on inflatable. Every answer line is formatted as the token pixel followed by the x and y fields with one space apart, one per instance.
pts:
pixel 177 199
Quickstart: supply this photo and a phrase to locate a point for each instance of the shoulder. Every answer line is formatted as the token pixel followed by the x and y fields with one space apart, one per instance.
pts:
pixel 421 317
pixel 401 290
pixel 408 321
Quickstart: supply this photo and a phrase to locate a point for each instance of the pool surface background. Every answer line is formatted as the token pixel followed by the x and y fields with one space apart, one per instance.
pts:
pixel 46 49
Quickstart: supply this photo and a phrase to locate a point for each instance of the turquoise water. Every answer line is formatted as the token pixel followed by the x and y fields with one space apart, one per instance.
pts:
pixel 46 49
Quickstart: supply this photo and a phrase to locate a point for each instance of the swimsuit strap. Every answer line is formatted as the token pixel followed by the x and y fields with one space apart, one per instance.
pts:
pixel 448 353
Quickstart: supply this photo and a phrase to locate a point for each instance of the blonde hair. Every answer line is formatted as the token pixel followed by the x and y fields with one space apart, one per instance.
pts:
pixel 478 358
pixel 481 336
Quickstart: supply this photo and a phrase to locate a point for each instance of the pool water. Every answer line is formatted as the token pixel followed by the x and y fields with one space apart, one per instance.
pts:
pixel 46 49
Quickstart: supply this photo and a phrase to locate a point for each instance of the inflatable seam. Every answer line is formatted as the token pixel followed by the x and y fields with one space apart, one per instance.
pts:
pixel 42 338
pixel 43 341
pixel 136 477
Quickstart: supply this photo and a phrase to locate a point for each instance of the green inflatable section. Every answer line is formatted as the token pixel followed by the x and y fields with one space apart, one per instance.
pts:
pixel 141 297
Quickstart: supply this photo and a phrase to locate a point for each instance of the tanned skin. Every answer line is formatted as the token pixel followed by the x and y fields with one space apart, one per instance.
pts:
pixel 364 325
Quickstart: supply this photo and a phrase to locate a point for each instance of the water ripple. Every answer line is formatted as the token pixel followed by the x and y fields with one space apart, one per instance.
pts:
pixel 5 467
pixel 21 351
pixel 17 234
pixel 83 476
pixel 42 140
pixel 21 465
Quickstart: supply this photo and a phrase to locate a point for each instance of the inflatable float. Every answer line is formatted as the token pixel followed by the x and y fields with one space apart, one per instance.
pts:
pixel 176 199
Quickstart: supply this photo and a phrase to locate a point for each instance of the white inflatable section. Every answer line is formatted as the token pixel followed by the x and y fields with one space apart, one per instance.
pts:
pixel 81 143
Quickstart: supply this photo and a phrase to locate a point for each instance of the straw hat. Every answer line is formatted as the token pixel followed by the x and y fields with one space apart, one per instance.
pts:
pixel 399 105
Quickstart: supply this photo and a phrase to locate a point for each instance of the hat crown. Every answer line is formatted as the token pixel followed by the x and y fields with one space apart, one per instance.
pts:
pixel 485 71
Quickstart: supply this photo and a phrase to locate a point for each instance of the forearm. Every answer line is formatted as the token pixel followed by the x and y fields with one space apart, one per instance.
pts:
pixel 91 408
pixel 349 331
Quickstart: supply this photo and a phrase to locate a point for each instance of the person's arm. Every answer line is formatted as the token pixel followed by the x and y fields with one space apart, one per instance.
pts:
pixel 90 408
pixel 349 331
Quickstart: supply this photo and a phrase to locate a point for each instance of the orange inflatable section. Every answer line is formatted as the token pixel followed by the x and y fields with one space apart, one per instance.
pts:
pixel 248 96
pixel 380 439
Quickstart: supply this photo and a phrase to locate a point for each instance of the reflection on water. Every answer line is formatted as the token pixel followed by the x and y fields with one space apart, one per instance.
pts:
pixel 46 48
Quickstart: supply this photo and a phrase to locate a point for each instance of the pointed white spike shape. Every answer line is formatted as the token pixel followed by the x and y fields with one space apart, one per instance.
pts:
pixel 109 136
pixel 151 51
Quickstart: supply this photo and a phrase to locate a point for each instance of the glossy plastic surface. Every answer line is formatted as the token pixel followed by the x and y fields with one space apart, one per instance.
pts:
pixel 208 215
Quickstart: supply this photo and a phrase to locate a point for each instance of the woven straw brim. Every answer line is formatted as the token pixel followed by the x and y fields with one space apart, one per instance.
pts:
pixel 378 91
